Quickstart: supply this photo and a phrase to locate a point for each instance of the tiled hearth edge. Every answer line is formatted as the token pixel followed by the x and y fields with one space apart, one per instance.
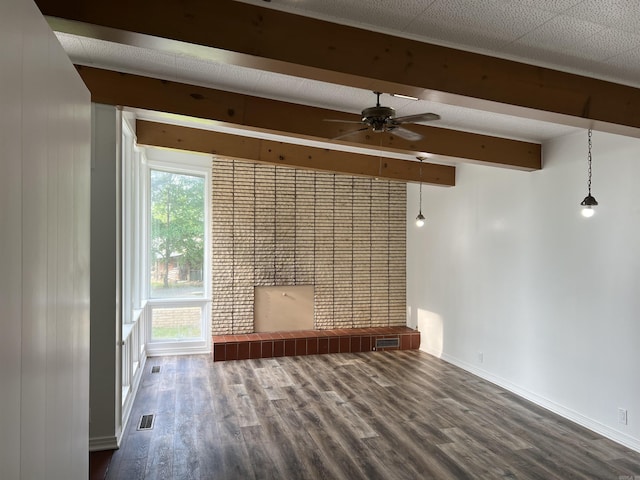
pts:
pixel 310 342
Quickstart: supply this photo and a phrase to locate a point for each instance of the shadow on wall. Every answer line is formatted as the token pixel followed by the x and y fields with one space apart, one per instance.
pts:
pixel 431 330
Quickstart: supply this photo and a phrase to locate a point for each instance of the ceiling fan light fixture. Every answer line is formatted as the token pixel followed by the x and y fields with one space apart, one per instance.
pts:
pixel 381 119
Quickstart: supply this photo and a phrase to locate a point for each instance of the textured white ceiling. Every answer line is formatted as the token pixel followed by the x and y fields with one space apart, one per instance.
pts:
pixel 599 38
pixel 592 37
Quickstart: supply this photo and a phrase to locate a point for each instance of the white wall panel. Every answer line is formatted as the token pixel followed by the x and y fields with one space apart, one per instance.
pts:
pixel 506 267
pixel 44 241
pixel 104 427
pixel 10 236
pixel 36 102
pixel 81 288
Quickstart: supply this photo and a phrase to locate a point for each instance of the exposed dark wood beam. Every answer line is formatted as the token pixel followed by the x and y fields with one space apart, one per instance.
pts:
pixel 255 113
pixel 254 36
pixel 267 151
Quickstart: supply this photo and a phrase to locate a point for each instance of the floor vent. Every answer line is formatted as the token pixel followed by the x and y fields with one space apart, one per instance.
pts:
pixel 387 342
pixel 146 422
pixel 155 369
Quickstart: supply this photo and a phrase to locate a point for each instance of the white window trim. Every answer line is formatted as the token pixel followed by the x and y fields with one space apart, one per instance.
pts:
pixel 131 354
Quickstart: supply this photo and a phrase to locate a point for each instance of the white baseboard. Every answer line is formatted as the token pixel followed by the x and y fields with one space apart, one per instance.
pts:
pixel 604 430
pixel 97 444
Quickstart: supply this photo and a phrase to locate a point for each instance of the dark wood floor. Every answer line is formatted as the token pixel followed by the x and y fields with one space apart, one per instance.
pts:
pixel 99 464
pixel 378 415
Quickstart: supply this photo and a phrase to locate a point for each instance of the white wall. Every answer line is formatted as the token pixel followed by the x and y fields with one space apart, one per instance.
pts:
pixel 44 252
pixel 506 267
pixel 106 424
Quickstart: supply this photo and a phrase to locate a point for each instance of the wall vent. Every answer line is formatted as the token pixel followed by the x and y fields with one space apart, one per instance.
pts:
pixel 387 342
pixel 155 369
pixel 146 422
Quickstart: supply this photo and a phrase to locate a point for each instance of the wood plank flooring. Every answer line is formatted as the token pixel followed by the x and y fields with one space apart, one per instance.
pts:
pixel 381 415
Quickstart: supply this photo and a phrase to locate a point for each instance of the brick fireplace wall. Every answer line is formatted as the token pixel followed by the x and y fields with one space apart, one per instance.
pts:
pixel 344 235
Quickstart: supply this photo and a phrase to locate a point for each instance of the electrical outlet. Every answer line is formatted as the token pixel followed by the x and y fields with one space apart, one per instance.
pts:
pixel 480 357
pixel 622 416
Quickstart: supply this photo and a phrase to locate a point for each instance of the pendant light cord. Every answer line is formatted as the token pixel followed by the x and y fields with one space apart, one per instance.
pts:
pixel 420 184
pixel 589 202
pixel 589 160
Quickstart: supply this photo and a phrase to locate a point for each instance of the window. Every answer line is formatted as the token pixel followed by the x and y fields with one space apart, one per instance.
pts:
pixel 176 323
pixel 177 235
pixel 177 252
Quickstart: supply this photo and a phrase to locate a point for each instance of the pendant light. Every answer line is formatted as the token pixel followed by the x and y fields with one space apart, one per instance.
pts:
pixel 420 217
pixel 589 202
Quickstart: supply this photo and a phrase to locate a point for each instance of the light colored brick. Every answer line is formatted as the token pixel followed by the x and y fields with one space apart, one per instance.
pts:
pixel 278 225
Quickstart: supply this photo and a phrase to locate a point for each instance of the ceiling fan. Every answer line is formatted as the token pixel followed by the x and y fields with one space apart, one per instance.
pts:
pixel 383 119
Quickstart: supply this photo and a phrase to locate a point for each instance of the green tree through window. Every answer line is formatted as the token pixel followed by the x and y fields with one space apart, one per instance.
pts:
pixel 177 234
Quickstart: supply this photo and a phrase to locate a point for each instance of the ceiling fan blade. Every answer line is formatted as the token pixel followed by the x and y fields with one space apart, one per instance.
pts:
pixel 405 133
pixel 341 121
pixel 420 117
pixel 350 133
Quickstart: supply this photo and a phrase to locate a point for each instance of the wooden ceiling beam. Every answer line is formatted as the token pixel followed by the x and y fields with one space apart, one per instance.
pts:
pixel 259 37
pixel 299 156
pixel 255 113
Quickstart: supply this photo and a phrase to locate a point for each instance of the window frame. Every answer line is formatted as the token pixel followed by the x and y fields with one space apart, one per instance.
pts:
pixel 188 164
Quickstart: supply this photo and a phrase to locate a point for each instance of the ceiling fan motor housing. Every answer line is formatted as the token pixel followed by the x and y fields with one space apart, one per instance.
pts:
pixel 378 117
